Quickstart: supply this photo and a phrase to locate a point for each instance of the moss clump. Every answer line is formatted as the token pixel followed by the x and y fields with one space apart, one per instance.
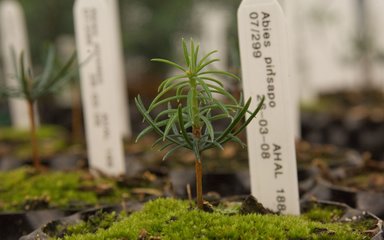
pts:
pixel 173 219
pixel 325 214
pixel 18 135
pixel 100 220
pixel 22 188
pixel 52 139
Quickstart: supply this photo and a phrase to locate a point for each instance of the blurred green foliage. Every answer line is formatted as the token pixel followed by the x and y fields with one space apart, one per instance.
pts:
pixel 149 27
pixel 46 20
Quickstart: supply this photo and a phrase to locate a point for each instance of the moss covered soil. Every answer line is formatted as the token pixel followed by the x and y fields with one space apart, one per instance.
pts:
pixel 27 189
pixel 16 142
pixel 175 219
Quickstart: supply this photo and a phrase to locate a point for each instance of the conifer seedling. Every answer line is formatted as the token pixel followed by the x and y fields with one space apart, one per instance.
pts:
pixel 31 88
pixel 190 110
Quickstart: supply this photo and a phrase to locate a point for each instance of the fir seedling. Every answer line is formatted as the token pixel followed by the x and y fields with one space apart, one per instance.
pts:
pixel 190 113
pixel 31 88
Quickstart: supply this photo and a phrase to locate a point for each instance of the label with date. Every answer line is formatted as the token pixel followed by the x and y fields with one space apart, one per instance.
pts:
pixel 264 61
pixel 14 38
pixel 102 83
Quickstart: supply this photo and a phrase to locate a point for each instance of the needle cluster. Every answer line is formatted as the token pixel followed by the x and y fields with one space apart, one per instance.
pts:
pixel 190 113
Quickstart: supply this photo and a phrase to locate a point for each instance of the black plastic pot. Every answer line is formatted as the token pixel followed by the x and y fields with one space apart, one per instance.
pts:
pixel 41 233
pixel 306 177
pixel 9 163
pixel 365 200
pixel 232 183
pixel 350 215
pixel 15 225
pixel 224 183
pixel 363 132
pixel 63 162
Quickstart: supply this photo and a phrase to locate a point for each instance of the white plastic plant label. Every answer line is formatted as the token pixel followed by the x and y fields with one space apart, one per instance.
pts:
pixel 13 37
pixel 102 83
pixel 263 51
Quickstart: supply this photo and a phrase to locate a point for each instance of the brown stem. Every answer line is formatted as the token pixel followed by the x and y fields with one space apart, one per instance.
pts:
pixel 196 130
pixel 199 183
pixel 77 126
pixel 35 149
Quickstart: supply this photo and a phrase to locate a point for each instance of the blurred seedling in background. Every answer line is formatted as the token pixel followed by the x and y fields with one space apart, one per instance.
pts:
pixel 31 88
pixel 192 109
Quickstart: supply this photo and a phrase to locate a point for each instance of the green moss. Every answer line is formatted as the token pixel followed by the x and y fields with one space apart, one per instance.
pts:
pixel 18 135
pixel 100 220
pixel 20 187
pixel 52 139
pixel 324 214
pixel 172 219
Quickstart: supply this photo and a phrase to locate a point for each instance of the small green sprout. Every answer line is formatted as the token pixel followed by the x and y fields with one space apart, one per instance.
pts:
pixel 31 88
pixel 190 113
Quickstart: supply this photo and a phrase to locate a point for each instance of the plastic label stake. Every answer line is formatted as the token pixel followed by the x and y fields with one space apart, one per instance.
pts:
pixel 103 88
pixel 271 146
pixel 14 37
